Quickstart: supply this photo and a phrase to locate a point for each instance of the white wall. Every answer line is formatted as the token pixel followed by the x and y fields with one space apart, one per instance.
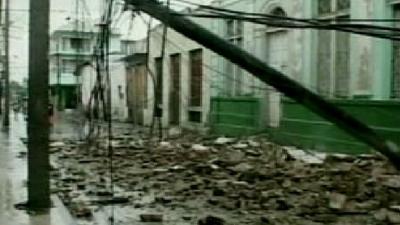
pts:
pixel 118 87
pixel 177 43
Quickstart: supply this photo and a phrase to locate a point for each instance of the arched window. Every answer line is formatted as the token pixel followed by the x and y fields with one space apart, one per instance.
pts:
pixel 278 11
pixel 276 23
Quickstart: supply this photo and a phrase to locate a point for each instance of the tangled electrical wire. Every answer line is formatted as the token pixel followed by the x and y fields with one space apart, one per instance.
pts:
pixel 356 26
pixel 99 108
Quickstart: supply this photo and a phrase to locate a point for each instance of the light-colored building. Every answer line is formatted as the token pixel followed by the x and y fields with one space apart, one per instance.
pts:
pixel 71 45
pixel 357 73
pixel 73 68
pixel 88 75
pixel 88 80
pixel 183 78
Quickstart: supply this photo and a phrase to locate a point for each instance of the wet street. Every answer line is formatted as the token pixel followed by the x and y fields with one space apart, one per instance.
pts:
pixel 13 175
pixel 192 179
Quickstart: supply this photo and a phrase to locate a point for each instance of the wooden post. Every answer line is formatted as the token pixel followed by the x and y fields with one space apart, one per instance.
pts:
pixel 38 118
pixel 6 117
pixel 1 62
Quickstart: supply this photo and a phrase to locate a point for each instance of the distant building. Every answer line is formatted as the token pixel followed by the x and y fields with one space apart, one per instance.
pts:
pixel 88 78
pixel 71 45
pixel 73 68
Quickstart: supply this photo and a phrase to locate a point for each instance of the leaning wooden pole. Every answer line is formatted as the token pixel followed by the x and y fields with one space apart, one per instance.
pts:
pixel 270 76
pixel 6 117
pixel 1 61
pixel 38 118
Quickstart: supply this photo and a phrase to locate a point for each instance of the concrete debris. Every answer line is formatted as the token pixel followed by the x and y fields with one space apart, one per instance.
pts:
pixel 136 144
pixel 151 218
pixel 255 153
pixel 57 144
pixel 337 201
pixel 223 141
pixel 236 179
pixel 211 220
pixel 242 167
pixel 387 216
pixel 304 156
pixel 174 132
pixel 240 146
pixel 395 208
pixel 393 217
pixel 392 182
pixel 254 144
pixel 165 145
pixel 200 148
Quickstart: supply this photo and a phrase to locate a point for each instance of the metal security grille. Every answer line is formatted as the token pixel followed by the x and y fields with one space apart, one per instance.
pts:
pixel 234 79
pixel 324 65
pixel 342 64
pixel 396 58
pixel 196 77
pixel 159 77
pixel 175 89
pixel 333 66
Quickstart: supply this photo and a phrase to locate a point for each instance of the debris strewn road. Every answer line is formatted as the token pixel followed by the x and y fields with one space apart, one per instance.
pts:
pixel 197 179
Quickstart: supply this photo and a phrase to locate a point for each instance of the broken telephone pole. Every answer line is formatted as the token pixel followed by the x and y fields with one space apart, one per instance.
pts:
pixel 270 76
pixel 38 118
pixel 1 62
pixel 6 116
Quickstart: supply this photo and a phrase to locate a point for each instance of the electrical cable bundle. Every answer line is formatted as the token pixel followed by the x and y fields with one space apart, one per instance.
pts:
pixel 356 26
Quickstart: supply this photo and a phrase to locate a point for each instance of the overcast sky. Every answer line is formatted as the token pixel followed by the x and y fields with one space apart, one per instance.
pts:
pixel 60 11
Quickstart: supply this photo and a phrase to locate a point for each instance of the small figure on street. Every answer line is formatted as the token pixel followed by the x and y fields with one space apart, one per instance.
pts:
pixel 50 111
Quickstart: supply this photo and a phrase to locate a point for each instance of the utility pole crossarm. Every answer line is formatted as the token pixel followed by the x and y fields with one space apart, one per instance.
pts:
pixel 267 74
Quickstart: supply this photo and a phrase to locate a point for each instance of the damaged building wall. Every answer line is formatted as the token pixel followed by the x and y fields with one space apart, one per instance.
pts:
pixel 88 77
pixel 185 82
pixel 281 48
pixel 342 67
pixel 370 78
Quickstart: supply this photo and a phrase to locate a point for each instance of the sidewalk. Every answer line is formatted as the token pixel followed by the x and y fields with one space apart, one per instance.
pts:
pixel 13 175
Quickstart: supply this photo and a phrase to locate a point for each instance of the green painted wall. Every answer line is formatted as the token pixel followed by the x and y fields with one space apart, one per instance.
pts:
pixel 301 127
pixel 235 116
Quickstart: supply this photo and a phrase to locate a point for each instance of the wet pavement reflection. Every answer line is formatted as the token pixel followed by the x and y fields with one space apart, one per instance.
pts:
pixel 13 175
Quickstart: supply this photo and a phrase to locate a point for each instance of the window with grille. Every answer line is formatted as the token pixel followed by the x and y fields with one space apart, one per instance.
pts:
pixel 159 79
pixel 395 92
pixel 68 65
pixel 80 44
pixel 234 75
pixel 324 7
pixel 65 44
pixel 333 49
pixel 175 89
pixel 196 77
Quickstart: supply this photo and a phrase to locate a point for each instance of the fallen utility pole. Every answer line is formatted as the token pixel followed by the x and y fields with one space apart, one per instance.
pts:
pixel 6 117
pixel 1 62
pixel 270 76
pixel 38 118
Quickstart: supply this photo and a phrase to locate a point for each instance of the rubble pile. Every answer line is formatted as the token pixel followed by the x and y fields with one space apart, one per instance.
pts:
pixel 227 181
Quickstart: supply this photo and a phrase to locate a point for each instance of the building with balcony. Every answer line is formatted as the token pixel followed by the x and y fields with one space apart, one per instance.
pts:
pixel 71 47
